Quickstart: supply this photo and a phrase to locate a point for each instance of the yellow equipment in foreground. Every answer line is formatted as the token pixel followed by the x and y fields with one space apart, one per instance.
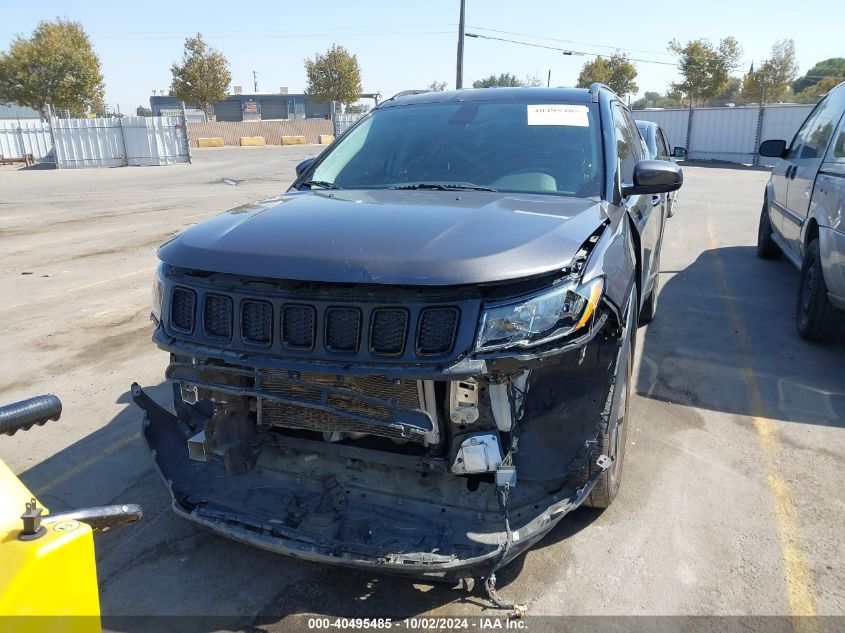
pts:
pixel 48 572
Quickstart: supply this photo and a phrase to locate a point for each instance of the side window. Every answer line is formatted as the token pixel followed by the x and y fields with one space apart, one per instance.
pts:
pixel 820 130
pixel 836 153
pixel 628 145
pixel 632 125
pixel 662 145
pixel 801 134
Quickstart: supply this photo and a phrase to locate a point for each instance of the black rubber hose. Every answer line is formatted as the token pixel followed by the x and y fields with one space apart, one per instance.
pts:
pixel 23 415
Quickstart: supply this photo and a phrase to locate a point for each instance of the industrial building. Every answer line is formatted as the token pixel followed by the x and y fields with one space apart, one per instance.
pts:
pixel 250 107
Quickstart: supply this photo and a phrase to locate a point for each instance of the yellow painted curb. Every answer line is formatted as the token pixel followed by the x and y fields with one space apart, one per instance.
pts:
pixel 325 139
pixel 252 140
pixel 216 141
pixel 293 140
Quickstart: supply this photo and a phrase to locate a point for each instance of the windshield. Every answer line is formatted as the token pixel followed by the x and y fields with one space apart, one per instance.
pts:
pixel 505 146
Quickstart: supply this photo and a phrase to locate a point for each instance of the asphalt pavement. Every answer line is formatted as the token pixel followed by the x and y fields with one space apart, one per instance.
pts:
pixel 732 498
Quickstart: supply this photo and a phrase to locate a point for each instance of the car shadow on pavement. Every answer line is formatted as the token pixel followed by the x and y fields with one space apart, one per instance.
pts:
pixel 165 573
pixel 724 328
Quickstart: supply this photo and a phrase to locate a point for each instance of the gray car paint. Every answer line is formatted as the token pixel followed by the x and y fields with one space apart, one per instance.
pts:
pixel 823 187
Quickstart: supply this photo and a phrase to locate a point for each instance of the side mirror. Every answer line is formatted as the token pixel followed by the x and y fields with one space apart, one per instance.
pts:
pixel 679 152
pixel 773 148
pixel 304 165
pixel 654 176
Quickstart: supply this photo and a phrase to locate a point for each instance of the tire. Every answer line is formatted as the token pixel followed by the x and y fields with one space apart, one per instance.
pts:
pixel 767 248
pixel 815 317
pixel 650 306
pixel 613 436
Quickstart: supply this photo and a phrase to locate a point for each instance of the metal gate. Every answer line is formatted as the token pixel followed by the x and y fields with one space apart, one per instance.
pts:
pixel 127 141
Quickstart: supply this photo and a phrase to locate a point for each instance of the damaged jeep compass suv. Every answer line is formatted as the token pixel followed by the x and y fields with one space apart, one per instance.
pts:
pixel 419 358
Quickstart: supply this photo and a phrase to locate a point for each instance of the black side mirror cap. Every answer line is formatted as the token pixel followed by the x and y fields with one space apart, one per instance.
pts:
pixel 304 165
pixel 773 148
pixel 679 152
pixel 654 176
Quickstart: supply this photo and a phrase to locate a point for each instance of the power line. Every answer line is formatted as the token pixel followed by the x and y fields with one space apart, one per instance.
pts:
pixel 565 51
pixel 557 39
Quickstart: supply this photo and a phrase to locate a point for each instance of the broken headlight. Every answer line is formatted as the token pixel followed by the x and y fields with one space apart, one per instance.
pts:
pixel 158 294
pixel 540 319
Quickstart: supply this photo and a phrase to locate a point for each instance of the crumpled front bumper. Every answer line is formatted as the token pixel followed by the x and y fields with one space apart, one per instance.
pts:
pixel 342 512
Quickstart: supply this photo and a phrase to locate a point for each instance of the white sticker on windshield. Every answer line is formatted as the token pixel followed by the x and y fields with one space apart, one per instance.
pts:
pixel 558 114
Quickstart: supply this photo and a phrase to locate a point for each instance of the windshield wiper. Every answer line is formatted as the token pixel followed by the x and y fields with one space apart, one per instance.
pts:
pixel 325 184
pixel 444 186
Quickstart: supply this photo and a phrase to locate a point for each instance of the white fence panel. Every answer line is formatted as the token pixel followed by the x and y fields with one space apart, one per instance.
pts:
pixel 343 122
pixel 673 122
pixel 782 121
pixel 88 143
pixel 727 134
pixel 25 136
pixel 120 142
pixel 155 140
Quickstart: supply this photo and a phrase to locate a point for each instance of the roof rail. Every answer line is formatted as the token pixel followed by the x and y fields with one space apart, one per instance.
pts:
pixel 406 93
pixel 600 86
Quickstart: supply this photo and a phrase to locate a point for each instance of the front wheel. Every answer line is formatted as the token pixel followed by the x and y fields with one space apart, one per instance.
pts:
pixel 767 248
pixel 815 316
pixel 612 437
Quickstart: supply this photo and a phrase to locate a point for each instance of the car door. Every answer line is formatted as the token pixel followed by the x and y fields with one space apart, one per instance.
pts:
pixel 806 158
pixel 782 171
pixel 645 210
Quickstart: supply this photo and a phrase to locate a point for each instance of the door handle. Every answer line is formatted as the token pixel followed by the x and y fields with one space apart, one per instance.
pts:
pixel 794 170
pixel 655 200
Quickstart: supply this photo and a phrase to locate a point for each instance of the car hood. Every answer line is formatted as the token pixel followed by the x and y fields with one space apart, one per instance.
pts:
pixel 390 237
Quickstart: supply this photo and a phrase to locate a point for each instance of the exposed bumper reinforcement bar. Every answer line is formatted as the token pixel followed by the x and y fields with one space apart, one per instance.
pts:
pixel 245 507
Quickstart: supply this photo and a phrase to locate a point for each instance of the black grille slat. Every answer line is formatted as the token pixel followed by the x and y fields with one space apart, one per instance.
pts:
pixel 182 305
pixel 298 326
pixel 388 331
pixel 257 322
pixel 343 329
pixel 437 328
pixel 217 316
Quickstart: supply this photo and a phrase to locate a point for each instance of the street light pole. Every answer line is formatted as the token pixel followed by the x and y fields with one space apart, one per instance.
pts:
pixel 459 78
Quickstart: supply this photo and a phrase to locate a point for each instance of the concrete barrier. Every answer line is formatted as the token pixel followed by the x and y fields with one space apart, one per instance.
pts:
pixel 214 141
pixel 293 140
pixel 252 140
pixel 272 130
pixel 325 139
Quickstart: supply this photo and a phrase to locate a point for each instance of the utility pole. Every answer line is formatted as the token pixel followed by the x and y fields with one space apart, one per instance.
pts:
pixel 254 82
pixel 459 78
pixel 549 80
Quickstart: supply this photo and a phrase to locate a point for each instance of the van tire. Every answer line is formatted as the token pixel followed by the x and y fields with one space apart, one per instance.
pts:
pixel 767 248
pixel 815 316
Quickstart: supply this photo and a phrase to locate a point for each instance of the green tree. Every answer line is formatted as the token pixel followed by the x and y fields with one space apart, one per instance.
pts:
pixel 143 111
pixel 731 93
pixel 56 65
pixel 705 68
pixel 771 81
pixel 615 71
pixel 437 86
pixel 503 79
pixel 203 77
pixel 833 67
pixel 334 76
pixel 655 100
pixel 816 91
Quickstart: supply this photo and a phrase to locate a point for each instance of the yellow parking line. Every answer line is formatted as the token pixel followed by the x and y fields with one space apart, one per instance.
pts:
pixel 76 289
pixel 84 465
pixel 799 580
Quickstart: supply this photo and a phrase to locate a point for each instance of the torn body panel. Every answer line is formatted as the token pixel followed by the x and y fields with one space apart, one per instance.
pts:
pixel 371 485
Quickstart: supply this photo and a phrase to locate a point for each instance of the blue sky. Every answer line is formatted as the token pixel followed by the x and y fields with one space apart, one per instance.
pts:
pixel 402 45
